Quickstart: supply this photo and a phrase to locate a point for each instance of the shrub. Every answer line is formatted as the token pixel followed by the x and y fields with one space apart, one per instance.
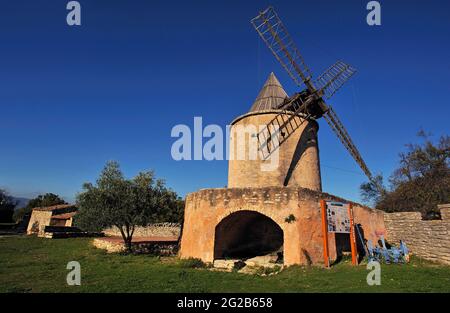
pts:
pixel 291 218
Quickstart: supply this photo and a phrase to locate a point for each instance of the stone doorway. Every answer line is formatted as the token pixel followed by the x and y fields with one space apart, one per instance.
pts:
pixel 248 234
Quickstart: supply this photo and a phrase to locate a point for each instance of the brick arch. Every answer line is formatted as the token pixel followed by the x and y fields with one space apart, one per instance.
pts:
pixel 247 233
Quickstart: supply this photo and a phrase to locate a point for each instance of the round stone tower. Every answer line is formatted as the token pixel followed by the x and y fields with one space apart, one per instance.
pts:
pixel 294 162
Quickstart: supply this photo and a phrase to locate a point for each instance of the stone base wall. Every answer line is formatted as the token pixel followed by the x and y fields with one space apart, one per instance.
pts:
pixel 152 230
pixel 427 239
pixel 155 248
pixel 303 239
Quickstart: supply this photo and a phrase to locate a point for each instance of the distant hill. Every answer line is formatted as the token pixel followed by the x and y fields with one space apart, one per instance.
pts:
pixel 21 202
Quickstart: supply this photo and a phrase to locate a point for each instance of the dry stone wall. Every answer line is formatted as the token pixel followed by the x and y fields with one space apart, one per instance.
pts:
pixel 152 230
pixel 153 248
pixel 427 239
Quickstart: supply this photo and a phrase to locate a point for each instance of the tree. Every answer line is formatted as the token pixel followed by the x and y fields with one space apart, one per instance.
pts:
pixel 373 191
pixel 125 203
pixel 45 200
pixel 7 205
pixel 420 183
pixel 48 199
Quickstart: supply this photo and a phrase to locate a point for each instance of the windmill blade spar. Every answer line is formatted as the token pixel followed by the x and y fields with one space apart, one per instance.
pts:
pixel 339 129
pixel 272 31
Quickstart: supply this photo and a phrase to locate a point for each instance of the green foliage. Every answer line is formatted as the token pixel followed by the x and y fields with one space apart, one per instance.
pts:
pixel 125 203
pixel 20 213
pixel 420 183
pixel 291 218
pixel 48 199
pixel 7 205
pixel 370 191
pixel 45 200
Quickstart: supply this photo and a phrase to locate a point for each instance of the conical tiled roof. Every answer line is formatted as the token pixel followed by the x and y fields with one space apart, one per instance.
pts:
pixel 271 95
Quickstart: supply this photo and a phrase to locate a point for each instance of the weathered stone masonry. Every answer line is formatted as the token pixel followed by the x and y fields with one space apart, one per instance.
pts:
pixel 303 242
pixel 427 239
pixel 266 209
pixel 152 230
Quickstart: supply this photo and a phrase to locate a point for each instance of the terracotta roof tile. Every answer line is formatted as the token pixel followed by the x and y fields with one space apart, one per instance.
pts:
pixel 64 216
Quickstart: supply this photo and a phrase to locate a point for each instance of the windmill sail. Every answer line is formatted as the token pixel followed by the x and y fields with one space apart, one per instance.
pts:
pixel 282 126
pixel 333 78
pixel 339 129
pixel 275 35
pixel 304 105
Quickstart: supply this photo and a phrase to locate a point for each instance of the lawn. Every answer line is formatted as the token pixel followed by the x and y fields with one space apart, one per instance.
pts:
pixel 29 264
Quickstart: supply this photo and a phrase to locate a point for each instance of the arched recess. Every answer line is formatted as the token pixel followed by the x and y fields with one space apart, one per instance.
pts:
pixel 246 234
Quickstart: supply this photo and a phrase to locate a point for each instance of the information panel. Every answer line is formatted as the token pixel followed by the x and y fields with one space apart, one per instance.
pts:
pixel 337 217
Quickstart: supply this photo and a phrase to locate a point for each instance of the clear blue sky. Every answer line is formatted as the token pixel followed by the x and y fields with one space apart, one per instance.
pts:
pixel 72 98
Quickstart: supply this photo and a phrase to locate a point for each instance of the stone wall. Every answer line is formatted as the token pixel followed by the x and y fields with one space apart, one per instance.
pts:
pixel 154 248
pixel 38 221
pixel 427 239
pixel 109 246
pixel 152 230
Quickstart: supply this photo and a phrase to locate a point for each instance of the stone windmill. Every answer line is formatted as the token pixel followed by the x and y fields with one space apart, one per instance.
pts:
pixel 290 122
pixel 267 211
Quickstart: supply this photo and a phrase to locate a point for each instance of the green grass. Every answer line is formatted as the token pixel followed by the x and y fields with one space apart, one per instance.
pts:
pixel 29 264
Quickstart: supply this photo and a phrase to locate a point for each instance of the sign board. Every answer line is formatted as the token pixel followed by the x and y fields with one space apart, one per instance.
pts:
pixel 338 218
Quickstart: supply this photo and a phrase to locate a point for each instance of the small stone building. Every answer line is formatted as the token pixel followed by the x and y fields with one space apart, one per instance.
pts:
pixel 273 211
pixel 58 215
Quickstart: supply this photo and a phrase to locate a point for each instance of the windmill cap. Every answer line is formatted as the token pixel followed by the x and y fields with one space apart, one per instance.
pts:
pixel 271 95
